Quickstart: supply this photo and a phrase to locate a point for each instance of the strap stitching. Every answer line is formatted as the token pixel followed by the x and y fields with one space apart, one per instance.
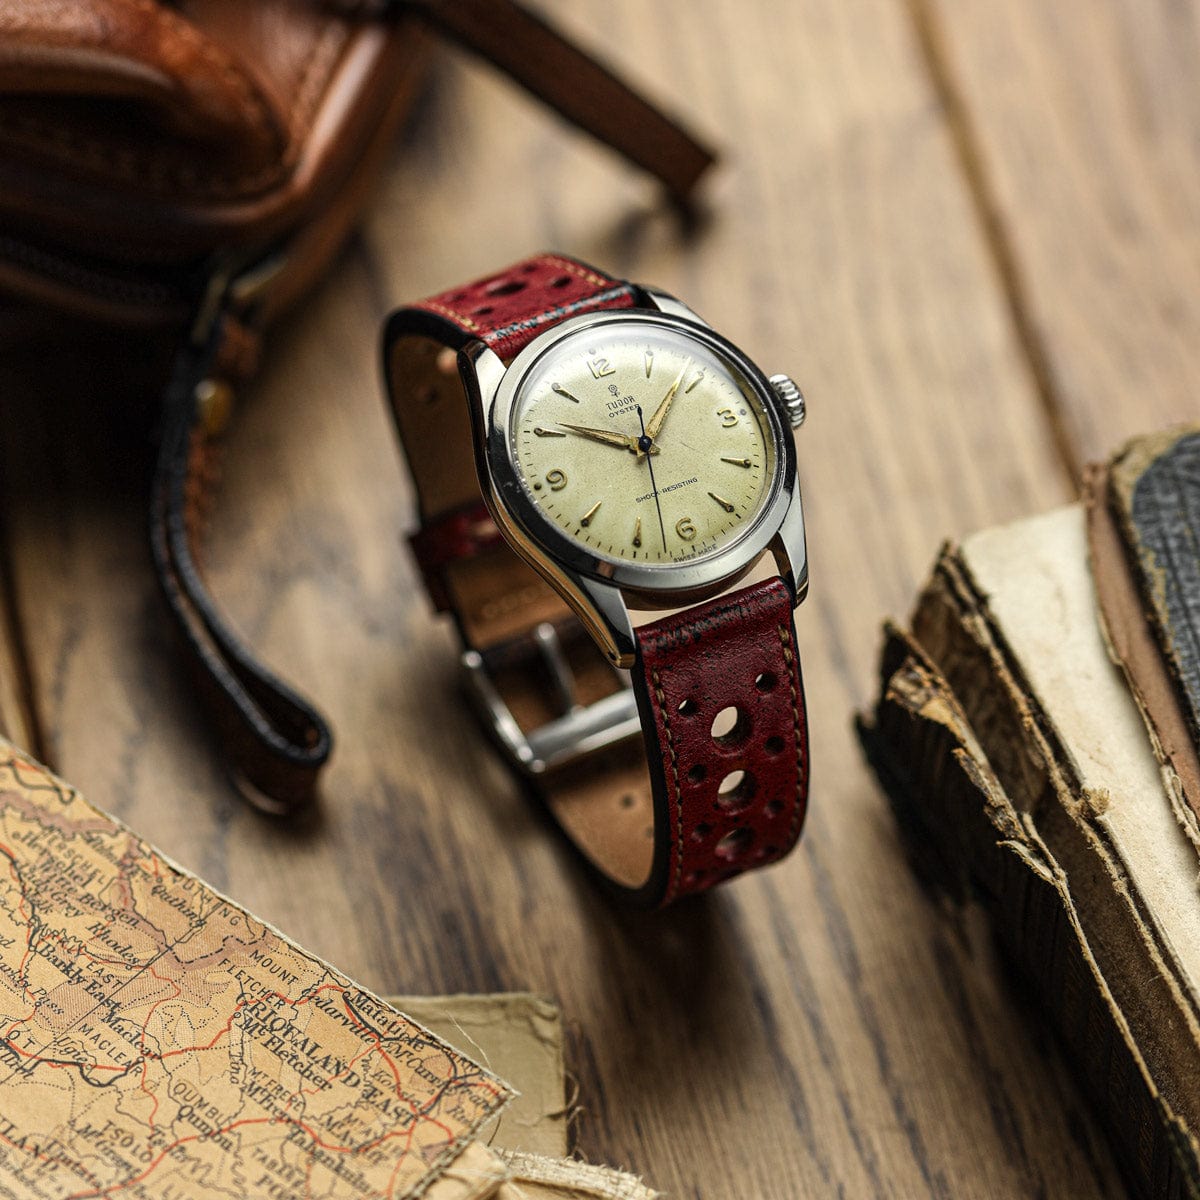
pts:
pixel 548 316
pixel 660 696
pixel 785 637
pixel 447 311
pixel 576 269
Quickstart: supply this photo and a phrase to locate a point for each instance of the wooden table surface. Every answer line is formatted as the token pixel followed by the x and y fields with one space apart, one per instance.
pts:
pixel 970 230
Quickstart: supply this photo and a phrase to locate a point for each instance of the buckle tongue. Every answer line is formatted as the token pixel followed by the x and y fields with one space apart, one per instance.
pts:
pixel 578 730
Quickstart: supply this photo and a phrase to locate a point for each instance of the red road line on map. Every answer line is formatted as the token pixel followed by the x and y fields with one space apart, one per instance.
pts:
pixel 142 1038
pixel 239 1124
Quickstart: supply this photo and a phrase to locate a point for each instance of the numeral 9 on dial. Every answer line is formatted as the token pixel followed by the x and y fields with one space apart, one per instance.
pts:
pixel 556 479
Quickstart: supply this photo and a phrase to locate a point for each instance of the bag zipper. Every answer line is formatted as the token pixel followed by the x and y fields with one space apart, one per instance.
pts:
pixel 161 298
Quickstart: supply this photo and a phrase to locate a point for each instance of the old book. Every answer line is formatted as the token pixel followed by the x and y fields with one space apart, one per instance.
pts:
pixel 1020 768
pixel 1143 512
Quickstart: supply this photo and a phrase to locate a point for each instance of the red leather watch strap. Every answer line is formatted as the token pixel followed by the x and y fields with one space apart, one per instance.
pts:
pixel 722 699
pixel 510 309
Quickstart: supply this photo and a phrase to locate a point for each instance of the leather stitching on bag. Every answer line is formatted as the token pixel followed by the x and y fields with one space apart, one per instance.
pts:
pixel 131 166
pixel 313 82
pixel 227 68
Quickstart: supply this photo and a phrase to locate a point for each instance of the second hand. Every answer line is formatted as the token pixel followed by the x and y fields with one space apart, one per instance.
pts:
pixel 644 444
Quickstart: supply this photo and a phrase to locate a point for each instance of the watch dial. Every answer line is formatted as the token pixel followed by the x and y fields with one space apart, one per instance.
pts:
pixel 643 444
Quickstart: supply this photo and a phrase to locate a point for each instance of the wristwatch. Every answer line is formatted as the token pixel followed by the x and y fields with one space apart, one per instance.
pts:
pixel 609 508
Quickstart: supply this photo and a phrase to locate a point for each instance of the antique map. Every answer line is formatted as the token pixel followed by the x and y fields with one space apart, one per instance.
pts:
pixel 158 1043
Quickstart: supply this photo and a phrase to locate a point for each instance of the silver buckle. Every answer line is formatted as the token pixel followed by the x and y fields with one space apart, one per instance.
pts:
pixel 578 731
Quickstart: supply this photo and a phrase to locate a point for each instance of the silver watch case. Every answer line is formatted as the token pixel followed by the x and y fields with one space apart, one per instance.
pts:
pixel 601 592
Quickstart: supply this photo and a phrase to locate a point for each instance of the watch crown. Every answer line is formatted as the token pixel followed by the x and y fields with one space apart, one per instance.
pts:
pixel 791 397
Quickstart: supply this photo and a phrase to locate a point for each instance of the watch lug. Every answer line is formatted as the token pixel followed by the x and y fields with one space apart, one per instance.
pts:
pixel 790 547
pixel 666 303
pixel 599 605
pixel 602 608
pixel 481 369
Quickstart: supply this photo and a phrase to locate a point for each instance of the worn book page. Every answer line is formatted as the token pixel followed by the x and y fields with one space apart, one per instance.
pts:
pixel 477 1173
pixel 483 1174
pixel 160 1042
pixel 535 1178
pixel 521 1153
pixel 519 1037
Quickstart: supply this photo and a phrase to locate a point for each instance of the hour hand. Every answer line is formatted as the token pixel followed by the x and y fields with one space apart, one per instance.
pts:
pixel 607 437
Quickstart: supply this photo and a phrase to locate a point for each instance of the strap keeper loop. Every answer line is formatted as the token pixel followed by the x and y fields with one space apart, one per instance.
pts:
pixel 460 534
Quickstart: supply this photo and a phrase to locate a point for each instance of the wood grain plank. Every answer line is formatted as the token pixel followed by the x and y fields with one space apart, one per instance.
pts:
pixel 14 691
pixel 821 1029
pixel 22 382
pixel 1080 124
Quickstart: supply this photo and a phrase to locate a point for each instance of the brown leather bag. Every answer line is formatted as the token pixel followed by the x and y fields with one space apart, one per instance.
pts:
pixel 187 168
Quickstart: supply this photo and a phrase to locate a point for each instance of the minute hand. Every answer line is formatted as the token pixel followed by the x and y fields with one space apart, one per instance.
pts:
pixel 660 413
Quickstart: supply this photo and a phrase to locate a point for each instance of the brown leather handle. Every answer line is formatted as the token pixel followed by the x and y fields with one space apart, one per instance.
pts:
pixel 275 740
pixel 584 91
